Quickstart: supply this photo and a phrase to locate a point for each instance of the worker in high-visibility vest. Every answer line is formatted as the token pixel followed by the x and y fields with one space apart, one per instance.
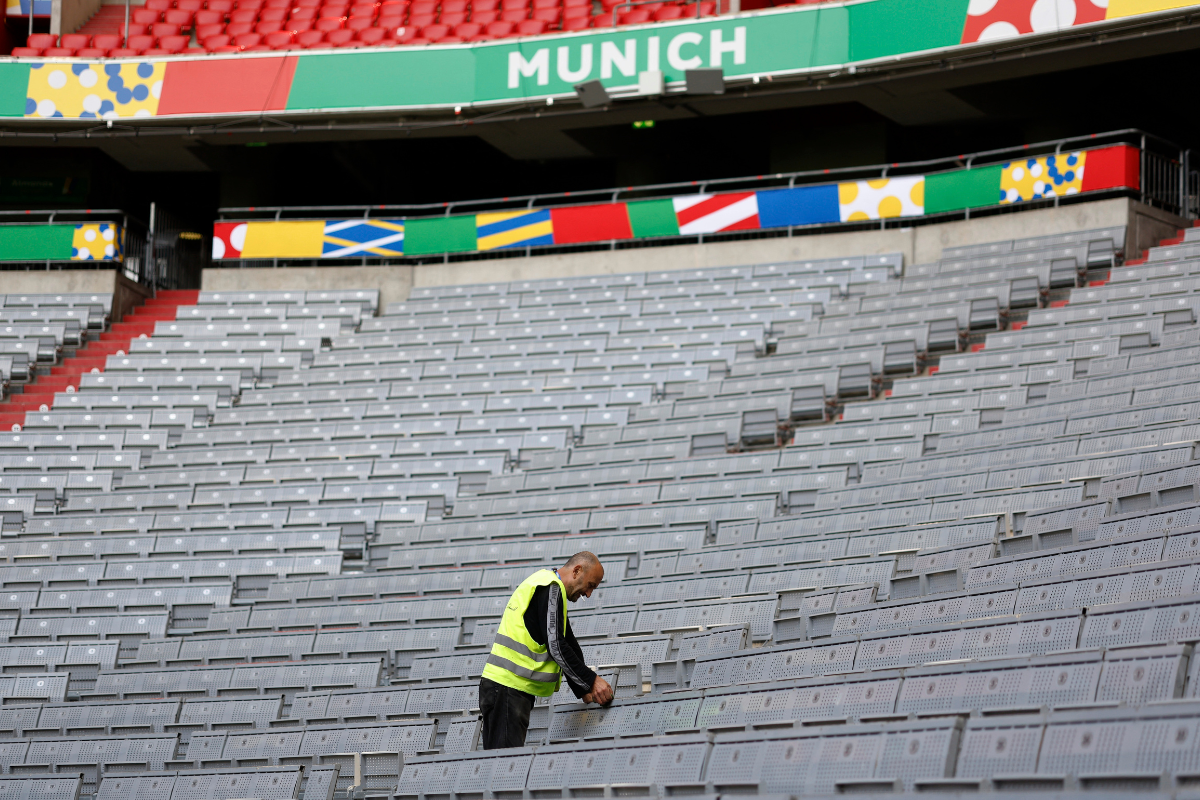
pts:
pixel 535 649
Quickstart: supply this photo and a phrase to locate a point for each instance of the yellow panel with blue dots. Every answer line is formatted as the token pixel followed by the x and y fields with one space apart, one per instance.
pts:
pixel 1037 178
pixel 94 90
pixel 96 241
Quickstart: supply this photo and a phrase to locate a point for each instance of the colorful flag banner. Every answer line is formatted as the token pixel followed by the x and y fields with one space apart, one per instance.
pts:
pixel 94 91
pixel 712 213
pixel 599 223
pixel 1037 178
pixel 514 229
pixel 363 237
pixel 1115 167
pixel 96 241
pixel 883 198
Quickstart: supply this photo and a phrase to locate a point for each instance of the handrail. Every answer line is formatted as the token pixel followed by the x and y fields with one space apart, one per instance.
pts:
pixel 648 191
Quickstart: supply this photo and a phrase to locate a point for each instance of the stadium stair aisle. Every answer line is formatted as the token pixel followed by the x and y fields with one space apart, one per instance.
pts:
pixel 38 394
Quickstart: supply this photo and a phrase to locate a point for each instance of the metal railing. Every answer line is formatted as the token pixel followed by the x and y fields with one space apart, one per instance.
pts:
pixel 1151 191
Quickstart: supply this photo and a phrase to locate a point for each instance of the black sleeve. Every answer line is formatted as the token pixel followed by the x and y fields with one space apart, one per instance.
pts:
pixel 544 629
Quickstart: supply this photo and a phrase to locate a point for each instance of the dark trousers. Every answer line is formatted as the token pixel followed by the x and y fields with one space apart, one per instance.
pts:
pixel 505 715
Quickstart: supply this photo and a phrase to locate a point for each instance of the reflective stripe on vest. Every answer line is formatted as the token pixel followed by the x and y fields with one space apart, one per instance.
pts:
pixel 516 660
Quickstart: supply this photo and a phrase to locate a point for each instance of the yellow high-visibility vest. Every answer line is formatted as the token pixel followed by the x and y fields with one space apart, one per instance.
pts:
pixel 516 660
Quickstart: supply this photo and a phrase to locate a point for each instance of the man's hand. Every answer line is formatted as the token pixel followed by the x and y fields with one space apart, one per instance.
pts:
pixel 601 692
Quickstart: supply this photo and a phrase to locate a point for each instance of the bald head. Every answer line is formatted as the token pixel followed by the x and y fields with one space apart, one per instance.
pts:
pixel 582 573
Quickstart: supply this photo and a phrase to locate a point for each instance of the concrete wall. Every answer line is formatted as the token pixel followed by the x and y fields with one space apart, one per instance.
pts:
pixel 393 283
pixel 64 281
pixel 68 16
pixel 919 245
pixel 126 294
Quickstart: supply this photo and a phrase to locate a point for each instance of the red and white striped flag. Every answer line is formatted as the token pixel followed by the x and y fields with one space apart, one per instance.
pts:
pixel 710 213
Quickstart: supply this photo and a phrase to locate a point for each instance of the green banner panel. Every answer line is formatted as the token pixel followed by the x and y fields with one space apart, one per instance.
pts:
pixel 967 188
pixel 36 242
pixel 439 235
pixel 891 27
pixel 653 218
pixel 410 77
pixel 14 88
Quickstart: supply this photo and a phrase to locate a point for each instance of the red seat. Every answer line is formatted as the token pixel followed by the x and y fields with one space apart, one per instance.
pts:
pixel 331 12
pixel 139 42
pixel 248 5
pixel 360 23
pixel 90 52
pixel 421 20
pixel 394 8
pixel 145 16
pixel 306 38
pixel 134 29
pixel 634 16
pixel 59 52
pixel 319 46
pixel 328 24
pixel 577 23
pixel 123 52
pixel 159 5
pixel 550 16
pixel 174 44
pixel 339 36
pixel 224 6
pixel 40 41
pixel 576 12
pixel 25 52
pixel 284 4
pixel 258 48
pixel 238 28
pixel 217 40
pixel 306 4
pixel 531 27
pixel 273 15
pixel 245 40
pixel 303 13
pixel 514 14
pixel 299 25
pixel 228 48
pixel 268 26
pixel 547 4
pixel 205 31
pixel 423 7
pixel 602 21
pixel 372 36
pixel 577 4
pixel 404 35
pixel 161 29
pixel 209 18
pixel 452 18
pixel 484 16
pixel 364 9
pixel 468 30
pixel 279 39
pixel 389 21
pixel 507 5
pixel 244 15
pixel 180 18
pixel 76 41
pixel 106 41
pixel 435 32
pixel 668 12
pixel 190 5
pixel 499 29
